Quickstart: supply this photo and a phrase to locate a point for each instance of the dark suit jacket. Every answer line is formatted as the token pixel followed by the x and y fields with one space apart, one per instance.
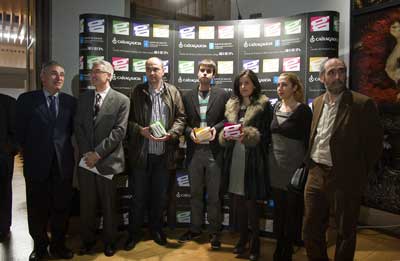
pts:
pixel 215 116
pixel 356 141
pixel 8 143
pixel 41 138
pixel 106 134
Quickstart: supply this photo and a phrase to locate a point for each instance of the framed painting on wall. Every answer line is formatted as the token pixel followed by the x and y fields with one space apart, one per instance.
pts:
pixel 375 72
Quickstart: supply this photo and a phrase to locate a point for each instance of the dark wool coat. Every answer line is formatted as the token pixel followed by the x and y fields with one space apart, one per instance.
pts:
pixel 257 138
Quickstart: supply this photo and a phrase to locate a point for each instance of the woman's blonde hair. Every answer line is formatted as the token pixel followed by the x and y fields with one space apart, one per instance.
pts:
pixel 295 81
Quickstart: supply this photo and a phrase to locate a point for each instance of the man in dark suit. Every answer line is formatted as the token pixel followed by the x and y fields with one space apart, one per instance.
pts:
pixel 44 130
pixel 8 149
pixel 100 127
pixel 151 155
pixel 345 144
pixel 205 107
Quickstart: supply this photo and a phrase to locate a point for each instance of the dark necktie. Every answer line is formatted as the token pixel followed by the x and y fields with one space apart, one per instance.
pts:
pixel 52 107
pixel 97 105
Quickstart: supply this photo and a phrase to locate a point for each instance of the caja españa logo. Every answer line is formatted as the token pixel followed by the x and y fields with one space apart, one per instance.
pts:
pixel 319 23
pixel 142 30
pixel 120 27
pixel 291 64
pixel 251 65
pixel 183 180
pixel 120 64
pixel 95 25
pixel 183 216
pixel 186 32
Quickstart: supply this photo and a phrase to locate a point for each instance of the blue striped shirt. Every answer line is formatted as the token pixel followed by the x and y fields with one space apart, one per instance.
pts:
pixel 158 113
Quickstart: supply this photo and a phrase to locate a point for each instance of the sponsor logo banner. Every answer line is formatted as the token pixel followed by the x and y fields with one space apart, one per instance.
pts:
pixel 252 31
pixel 226 32
pixel 329 39
pixel 251 65
pixel 120 64
pixel 92 59
pixel 95 25
pixel 161 30
pixel 291 64
pixel 315 63
pixel 319 23
pixel 271 65
pixel 141 30
pixel 186 67
pixel 187 32
pixel 139 65
pixel 272 29
pixel 206 32
pixel 293 27
pixel 183 217
pixel 225 67
pixel 120 27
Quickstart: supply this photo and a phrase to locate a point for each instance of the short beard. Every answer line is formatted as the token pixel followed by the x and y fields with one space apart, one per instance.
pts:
pixel 336 87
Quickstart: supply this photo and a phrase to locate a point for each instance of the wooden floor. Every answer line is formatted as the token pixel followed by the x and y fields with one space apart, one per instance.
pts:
pixel 371 245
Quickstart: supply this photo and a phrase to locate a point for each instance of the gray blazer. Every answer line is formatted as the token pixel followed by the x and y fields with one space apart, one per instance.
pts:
pixel 106 133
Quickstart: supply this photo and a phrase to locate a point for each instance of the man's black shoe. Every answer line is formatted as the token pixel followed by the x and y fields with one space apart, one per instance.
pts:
pixel 214 241
pixel 159 237
pixel 109 250
pixel 4 236
pixel 132 240
pixel 61 252
pixel 86 248
pixel 38 254
pixel 188 236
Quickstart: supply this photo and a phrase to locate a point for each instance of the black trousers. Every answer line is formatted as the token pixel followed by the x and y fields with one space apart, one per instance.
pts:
pixel 288 216
pixel 48 202
pixel 6 173
pixel 247 214
pixel 149 190
pixel 97 192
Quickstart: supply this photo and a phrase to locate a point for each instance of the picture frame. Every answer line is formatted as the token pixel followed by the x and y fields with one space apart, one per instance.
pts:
pixel 375 71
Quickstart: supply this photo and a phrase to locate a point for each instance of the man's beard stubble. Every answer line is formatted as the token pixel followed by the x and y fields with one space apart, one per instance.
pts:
pixel 336 87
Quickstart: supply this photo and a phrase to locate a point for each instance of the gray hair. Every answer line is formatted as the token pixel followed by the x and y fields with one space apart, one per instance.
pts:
pixel 107 67
pixel 48 64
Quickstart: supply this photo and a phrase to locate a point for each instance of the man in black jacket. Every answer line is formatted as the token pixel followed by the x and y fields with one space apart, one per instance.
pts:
pixel 205 107
pixel 8 150
pixel 44 130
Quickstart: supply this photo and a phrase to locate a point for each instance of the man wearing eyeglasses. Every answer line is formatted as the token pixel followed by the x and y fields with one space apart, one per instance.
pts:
pixel 156 121
pixel 44 130
pixel 205 107
pixel 100 127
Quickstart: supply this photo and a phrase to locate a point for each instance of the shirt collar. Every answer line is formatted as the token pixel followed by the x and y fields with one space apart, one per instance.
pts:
pixel 153 91
pixel 337 101
pixel 47 94
pixel 104 92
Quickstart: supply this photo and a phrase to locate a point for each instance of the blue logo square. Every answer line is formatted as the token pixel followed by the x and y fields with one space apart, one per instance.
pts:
pixel 275 79
pixel 210 45
pixel 146 43
pixel 277 43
